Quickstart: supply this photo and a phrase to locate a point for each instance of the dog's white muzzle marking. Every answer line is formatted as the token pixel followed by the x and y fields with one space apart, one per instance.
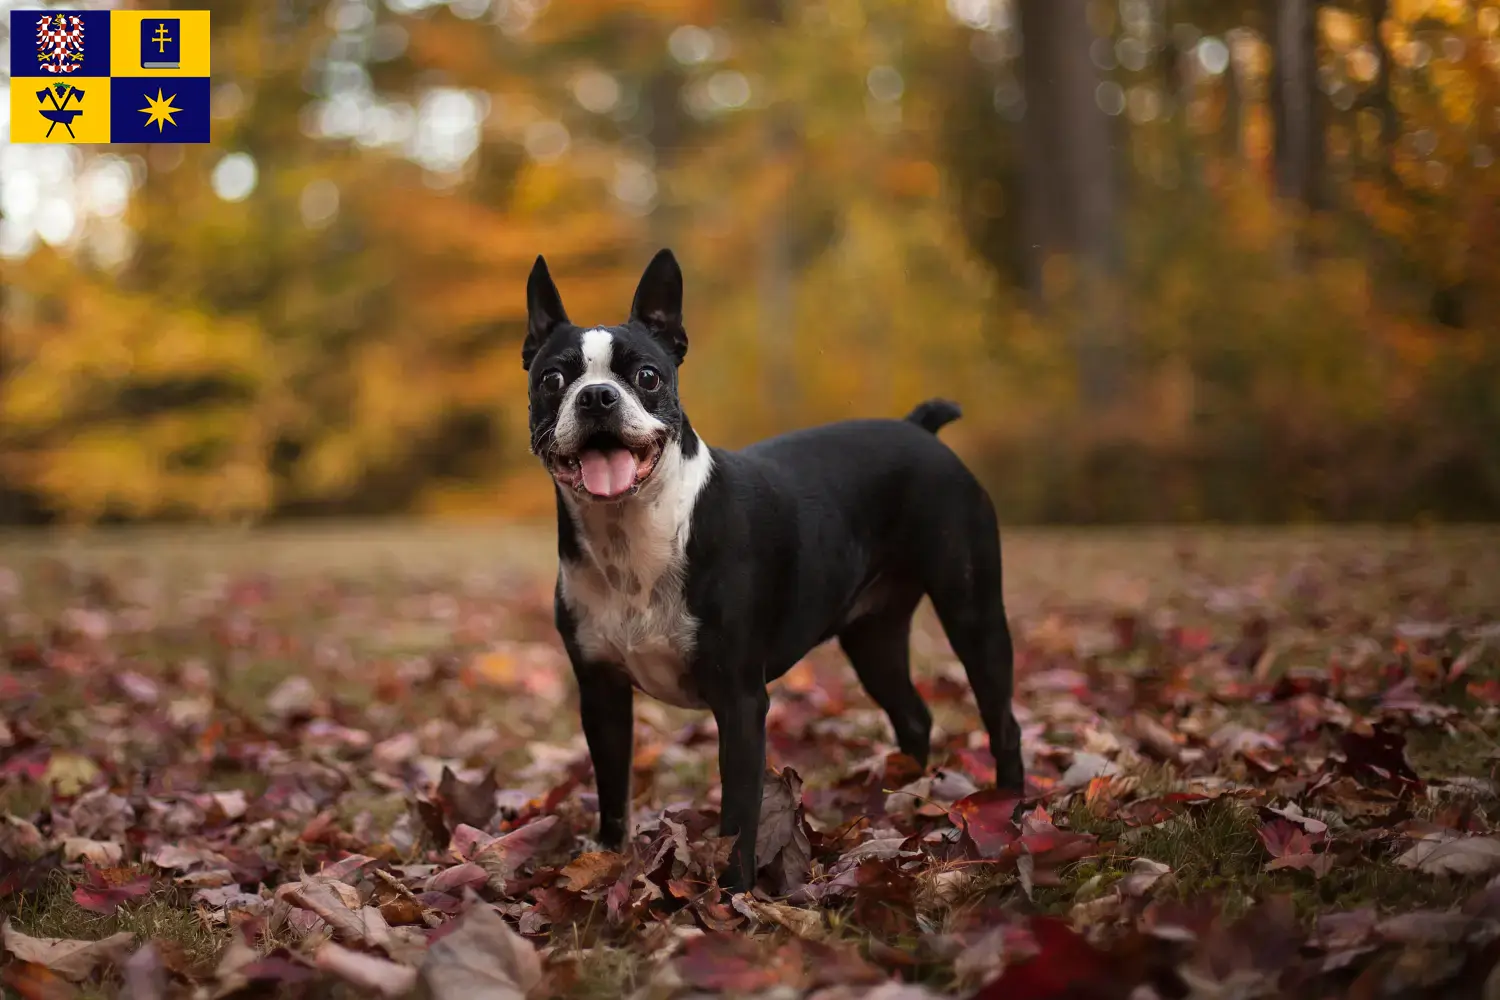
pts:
pixel 636 426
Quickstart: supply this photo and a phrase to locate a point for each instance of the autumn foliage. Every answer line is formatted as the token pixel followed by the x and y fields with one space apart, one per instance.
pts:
pixel 846 186
pixel 1272 776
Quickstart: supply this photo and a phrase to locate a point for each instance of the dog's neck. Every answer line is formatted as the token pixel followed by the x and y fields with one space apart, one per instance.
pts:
pixel 650 528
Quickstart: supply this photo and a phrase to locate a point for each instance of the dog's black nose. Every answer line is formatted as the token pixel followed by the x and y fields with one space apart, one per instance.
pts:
pixel 599 398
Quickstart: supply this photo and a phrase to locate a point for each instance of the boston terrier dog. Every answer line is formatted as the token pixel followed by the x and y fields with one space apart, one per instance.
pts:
pixel 699 575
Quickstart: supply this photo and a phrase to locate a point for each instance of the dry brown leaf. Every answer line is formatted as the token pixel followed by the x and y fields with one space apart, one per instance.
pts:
pixel 1462 856
pixel 71 959
pixel 104 853
pixel 146 975
pixel 1144 873
pixel 588 870
pixel 504 857
pixel 229 974
pixel 483 959
pixel 368 972
pixel 801 922
pixel 321 898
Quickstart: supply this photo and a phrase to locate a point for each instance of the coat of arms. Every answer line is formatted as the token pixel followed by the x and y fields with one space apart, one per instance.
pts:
pixel 59 42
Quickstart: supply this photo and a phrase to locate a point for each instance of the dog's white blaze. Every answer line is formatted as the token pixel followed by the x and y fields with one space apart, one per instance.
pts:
pixel 636 425
pixel 644 627
pixel 598 353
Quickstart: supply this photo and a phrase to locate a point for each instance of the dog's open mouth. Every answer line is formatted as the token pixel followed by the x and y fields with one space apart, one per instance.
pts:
pixel 605 468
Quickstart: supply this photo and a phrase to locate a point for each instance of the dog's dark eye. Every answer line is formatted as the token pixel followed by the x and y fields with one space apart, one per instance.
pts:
pixel 647 379
pixel 552 382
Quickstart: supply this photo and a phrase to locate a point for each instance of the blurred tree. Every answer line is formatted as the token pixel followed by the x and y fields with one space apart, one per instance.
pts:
pixel 873 200
pixel 1296 104
pixel 1069 171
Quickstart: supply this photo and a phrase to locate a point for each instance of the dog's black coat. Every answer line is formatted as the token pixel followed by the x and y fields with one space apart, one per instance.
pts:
pixel 830 532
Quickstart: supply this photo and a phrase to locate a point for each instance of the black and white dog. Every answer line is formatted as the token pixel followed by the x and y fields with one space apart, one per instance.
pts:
pixel 699 575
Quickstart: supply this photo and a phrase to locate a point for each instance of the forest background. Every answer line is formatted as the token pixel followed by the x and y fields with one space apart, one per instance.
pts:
pixel 1179 260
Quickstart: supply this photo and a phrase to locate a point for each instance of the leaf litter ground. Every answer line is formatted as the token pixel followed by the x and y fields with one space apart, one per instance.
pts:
pixel 1259 764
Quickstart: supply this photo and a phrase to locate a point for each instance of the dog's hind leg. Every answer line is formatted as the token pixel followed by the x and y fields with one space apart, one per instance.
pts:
pixel 879 648
pixel 965 588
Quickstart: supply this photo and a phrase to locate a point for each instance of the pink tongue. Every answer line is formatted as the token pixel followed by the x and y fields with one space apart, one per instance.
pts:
pixel 608 474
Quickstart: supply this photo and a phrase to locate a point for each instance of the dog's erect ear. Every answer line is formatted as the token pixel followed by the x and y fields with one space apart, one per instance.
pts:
pixel 544 310
pixel 658 303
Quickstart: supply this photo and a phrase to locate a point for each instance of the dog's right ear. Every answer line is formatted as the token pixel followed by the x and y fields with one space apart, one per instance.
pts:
pixel 544 311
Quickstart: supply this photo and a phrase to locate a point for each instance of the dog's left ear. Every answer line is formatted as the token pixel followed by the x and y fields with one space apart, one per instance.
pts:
pixel 658 303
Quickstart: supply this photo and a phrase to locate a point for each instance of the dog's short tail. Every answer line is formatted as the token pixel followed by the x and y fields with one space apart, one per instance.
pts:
pixel 935 414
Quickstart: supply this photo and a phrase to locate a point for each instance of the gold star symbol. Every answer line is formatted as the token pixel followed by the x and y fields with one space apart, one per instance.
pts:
pixel 160 110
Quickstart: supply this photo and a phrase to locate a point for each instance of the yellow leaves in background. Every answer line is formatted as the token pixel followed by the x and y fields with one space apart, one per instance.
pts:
pixel 69 773
pixel 250 360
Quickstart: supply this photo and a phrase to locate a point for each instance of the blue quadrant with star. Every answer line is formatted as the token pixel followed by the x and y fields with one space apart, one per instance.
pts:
pixel 159 109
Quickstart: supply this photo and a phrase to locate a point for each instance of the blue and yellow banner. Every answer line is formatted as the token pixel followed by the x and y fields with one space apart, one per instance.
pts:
pixel 109 76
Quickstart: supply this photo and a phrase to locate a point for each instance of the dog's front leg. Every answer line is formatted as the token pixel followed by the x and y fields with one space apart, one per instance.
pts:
pixel 741 715
pixel 606 700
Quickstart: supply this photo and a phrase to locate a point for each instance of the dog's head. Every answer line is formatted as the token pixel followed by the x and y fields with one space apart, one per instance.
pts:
pixel 604 398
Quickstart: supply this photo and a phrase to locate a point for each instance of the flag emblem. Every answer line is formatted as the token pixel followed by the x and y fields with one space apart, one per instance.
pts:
pixel 59 43
pixel 60 94
pixel 161 43
pixel 159 110
pixel 109 76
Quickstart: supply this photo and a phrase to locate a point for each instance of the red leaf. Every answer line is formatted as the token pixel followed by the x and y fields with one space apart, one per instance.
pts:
pixel 1284 838
pixel 472 803
pixel 36 982
pixel 987 816
pixel 1378 759
pixel 1054 847
pixel 1065 965
pixel 18 876
pixel 106 888
pixel 454 879
pixel 734 963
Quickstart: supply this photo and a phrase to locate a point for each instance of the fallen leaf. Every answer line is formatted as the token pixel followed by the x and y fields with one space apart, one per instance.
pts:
pixel 368 972
pixel 468 803
pixel 455 879
pixel 145 974
pixel 1460 856
pixel 1282 838
pixel 736 964
pixel 36 982
pixel 71 959
pixel 104 853
pixel 589 870
pixel 70 773
pixel 1062 965
pixel 782 845
pixel 293 699
pixel 105 889
pixel 481 959
pixel 1144 873
pixel 801 922
pixel 17 876
pixel 173 856
pixel 988 817
pixel 322 899
pixel 506 856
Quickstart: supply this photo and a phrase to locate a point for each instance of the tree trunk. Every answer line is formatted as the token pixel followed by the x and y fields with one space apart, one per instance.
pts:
pixel 1295 105
pixel 776 268
pixel 1234 107
pixel 1385 106
pixel 778 319
pixel 1070 179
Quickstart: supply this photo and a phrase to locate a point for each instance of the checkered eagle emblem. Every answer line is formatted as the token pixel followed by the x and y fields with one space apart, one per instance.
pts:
pixel 59 42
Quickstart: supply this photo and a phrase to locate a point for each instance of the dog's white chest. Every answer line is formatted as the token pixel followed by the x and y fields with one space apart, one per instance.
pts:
pixel 627 600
